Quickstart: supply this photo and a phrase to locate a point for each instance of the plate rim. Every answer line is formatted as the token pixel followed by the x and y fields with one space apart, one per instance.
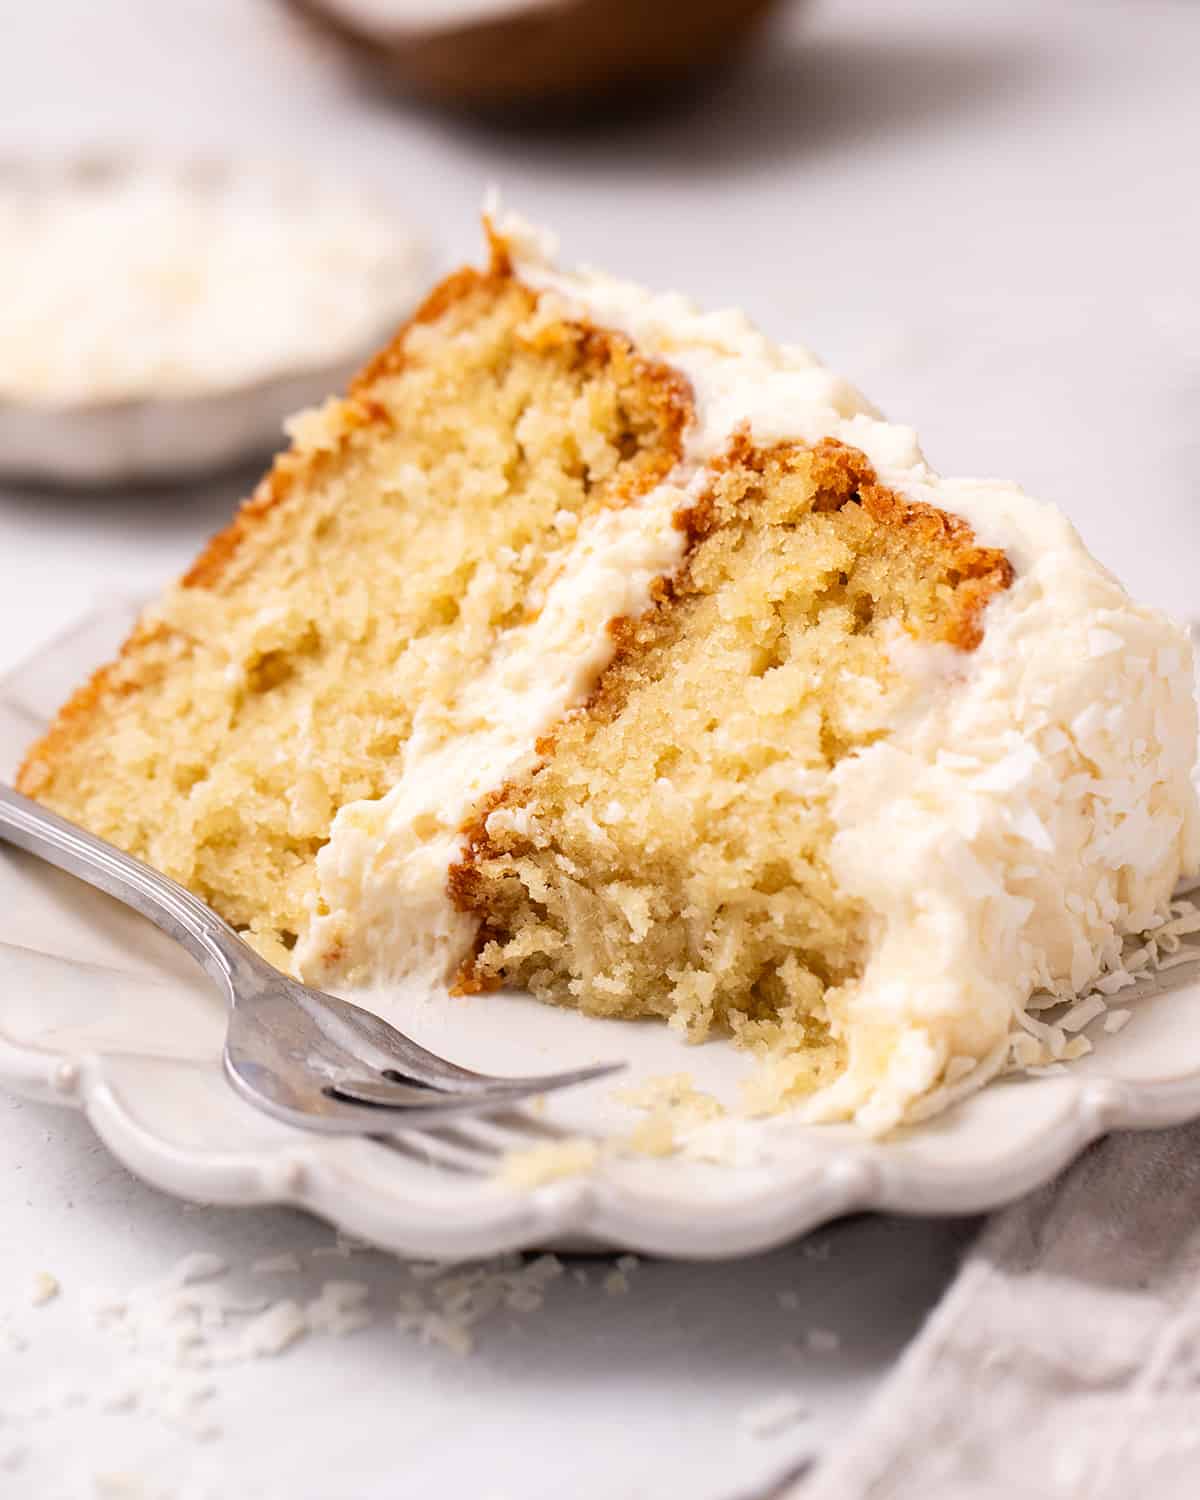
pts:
pixel 335 1180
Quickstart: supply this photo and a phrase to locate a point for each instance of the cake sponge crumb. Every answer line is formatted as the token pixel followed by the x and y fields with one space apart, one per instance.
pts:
pixel 674 1109
pixel 534 1166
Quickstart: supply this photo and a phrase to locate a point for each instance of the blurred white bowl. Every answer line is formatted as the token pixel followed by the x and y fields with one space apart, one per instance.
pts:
pixel 172 314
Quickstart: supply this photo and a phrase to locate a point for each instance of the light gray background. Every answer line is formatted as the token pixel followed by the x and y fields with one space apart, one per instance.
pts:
pixel 987 215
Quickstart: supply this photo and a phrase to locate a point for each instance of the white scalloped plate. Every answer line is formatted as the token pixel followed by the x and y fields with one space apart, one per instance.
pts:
pixel 99 1011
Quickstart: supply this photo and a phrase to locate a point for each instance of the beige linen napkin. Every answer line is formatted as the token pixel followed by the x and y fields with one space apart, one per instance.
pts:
pixel 1063 1362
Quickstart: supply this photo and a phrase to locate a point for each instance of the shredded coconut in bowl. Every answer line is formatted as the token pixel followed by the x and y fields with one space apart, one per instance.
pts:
pixel 150 280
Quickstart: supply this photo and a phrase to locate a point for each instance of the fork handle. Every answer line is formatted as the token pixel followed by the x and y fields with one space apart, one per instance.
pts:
pixel 211 941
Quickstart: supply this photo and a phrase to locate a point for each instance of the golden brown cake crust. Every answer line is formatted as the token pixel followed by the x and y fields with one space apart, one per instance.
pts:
pixel 845 474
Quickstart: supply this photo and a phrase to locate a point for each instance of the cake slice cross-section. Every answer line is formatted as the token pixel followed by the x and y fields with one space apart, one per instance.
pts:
pixel 596 646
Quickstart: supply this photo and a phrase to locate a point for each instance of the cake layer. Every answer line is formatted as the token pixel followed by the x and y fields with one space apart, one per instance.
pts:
pixel 672 854
pixel 357 595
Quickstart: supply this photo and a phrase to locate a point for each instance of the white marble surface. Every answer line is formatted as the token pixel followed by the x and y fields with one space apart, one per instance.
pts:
pixel 988 216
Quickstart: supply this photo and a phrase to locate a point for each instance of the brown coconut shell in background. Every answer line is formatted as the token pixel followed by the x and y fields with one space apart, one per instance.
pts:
pixel 563 54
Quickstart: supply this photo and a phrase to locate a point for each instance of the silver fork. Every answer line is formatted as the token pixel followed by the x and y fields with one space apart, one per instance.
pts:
pixel 301 1055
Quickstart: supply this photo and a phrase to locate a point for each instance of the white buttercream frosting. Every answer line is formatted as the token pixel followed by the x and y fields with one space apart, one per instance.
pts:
pixel 1035 808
